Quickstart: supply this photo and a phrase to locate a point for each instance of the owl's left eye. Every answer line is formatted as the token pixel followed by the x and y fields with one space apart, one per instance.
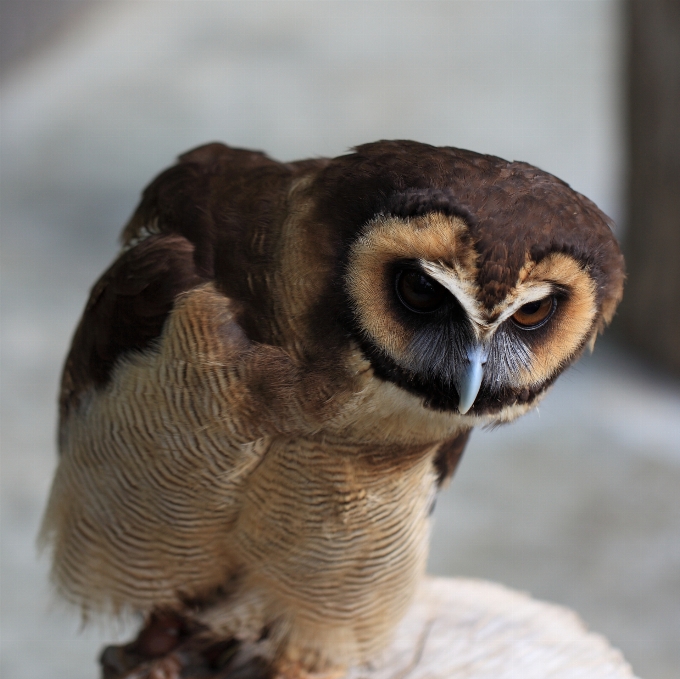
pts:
pixel 419 292
pixel 534 314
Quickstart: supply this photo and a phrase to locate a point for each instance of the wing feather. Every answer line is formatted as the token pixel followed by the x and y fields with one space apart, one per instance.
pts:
pixel 167 404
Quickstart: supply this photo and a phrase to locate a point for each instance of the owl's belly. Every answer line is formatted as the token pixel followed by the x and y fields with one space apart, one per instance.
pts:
pixel 334 543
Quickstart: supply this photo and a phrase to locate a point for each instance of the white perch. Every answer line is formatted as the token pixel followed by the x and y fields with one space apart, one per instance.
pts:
pixel 472 629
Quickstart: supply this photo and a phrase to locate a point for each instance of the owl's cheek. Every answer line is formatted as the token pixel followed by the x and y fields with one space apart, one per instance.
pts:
pixel 564 344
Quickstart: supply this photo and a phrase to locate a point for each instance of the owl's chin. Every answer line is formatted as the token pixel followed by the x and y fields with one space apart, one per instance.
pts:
pixel 508 402
pixel 493 404
pixel 501 405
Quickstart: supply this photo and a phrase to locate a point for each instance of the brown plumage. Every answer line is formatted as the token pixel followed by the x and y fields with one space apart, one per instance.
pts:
pixel 273 378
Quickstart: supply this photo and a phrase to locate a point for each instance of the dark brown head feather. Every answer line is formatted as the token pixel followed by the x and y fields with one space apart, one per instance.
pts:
pixel 506 205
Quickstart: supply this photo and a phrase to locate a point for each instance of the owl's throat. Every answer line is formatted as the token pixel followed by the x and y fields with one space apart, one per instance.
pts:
pixel 468 391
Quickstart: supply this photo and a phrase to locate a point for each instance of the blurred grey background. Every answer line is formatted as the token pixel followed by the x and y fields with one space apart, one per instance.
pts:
pixel 578 503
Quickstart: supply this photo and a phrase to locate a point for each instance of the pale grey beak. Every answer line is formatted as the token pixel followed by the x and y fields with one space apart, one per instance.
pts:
pixel 470 379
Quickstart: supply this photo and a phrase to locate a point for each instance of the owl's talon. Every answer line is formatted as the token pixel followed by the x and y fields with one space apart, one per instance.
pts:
pixel 162 633
pixel 170 646
pixel 117 661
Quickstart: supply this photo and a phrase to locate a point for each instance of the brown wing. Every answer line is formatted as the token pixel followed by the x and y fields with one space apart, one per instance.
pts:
pixel 211 216
pixel 229 204
pixel 204 204
pixel 126 311
pixel 211 197
pixel 448 456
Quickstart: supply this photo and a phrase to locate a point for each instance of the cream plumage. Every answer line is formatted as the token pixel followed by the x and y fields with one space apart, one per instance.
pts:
pixel 270 383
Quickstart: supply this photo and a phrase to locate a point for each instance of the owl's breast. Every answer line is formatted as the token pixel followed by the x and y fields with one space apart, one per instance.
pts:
pixel 337 539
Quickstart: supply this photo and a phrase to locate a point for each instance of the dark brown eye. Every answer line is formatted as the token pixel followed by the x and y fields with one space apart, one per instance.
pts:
pixel 419 292
pixel 534 314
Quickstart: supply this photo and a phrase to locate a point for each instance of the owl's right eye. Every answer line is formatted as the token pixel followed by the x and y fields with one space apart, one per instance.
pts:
pixel 418 292
pixel 535 314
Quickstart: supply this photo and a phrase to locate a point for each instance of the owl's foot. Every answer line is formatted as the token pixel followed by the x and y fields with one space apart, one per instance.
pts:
pixel 171 647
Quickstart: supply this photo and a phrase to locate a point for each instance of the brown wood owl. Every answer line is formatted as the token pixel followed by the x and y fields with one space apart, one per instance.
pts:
pixel 282 366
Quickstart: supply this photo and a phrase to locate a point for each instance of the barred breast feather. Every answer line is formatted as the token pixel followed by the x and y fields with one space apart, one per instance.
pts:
pixel 175 482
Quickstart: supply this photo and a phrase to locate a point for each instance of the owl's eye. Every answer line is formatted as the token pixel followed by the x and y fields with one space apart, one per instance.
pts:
pixel 419 292
pixel 534 314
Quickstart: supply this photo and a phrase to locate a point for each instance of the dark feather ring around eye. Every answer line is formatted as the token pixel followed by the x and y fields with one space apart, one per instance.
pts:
pixel 418 292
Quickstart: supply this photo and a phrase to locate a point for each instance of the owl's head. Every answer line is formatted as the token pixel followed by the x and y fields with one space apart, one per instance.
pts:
pixel 470 281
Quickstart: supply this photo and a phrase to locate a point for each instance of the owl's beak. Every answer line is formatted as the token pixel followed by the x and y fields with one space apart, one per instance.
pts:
pixel 470 379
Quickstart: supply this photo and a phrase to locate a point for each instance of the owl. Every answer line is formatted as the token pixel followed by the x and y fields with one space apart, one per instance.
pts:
pixel 279 371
